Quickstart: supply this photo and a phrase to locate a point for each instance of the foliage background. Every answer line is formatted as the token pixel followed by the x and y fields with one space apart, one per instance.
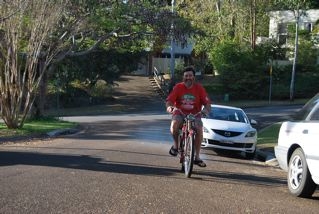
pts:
pixel 94 42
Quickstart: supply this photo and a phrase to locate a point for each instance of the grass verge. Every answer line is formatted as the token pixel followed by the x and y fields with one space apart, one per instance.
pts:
pixel 267 137
pixel 35 127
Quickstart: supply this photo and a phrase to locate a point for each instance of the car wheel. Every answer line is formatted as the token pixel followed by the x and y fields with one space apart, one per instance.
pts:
pixel 299 179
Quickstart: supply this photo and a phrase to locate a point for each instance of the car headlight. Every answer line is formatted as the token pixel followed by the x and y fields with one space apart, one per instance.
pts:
pixel 205 130
pixel 251 134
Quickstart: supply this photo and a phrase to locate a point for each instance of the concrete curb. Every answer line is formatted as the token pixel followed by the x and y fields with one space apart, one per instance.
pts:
pixel 58 132
pixel 268 157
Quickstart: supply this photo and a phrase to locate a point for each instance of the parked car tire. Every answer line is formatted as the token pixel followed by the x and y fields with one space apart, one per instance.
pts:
pixel 250 155
pixel 299 179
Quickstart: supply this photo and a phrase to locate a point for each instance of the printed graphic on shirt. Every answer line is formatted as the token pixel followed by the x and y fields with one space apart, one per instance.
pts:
pixel 188 101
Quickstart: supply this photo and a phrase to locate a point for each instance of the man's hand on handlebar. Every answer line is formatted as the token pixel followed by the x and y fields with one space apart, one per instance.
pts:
pixel 205 112
pixel 170 109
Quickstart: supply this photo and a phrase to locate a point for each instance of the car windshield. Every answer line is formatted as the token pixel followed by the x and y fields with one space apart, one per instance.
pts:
pixel 305 110
pixel 234 115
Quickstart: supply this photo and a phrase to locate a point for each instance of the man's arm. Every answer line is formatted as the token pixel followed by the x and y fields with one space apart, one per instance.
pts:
pixel 170 100
pixel 169 106
pixel 207 108
pixel 207 101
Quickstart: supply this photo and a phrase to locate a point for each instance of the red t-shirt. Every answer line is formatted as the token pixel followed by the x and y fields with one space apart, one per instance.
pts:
pixel 189 100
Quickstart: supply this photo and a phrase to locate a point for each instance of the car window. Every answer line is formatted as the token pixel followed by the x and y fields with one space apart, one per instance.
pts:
pixel 305 110
pixel 225 114
pixel 315 115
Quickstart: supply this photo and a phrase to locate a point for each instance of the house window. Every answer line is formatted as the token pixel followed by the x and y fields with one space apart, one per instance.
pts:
pixel 282 31
pixel 282 28
pixel 307 26
pixel 282 39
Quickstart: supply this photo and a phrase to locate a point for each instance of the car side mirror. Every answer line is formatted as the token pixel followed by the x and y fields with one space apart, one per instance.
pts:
pixel 253 122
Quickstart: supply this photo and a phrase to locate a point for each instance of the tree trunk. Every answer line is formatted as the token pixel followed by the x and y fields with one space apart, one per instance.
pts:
pixel 293 73
pixel 39 103
pixel 25 55
pixel 253 23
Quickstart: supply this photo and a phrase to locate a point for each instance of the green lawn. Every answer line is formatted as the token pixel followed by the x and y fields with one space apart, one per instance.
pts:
pixel 36 127
pixel 267 137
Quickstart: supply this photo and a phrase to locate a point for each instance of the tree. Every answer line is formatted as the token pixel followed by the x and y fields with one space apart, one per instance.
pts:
pixel 37 35
pixel 24 38
pixel 134 26
pixel 217 21
pixel 241 70
pixel 298 7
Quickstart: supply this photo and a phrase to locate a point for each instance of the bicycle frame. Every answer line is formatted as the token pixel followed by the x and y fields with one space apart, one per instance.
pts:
pixel 187 142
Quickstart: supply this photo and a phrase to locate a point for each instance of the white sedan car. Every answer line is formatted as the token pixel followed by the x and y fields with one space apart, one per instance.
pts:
pixel 229 128
pixel 298 149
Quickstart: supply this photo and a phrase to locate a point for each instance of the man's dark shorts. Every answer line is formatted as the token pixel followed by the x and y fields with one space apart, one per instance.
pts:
pixel 179 117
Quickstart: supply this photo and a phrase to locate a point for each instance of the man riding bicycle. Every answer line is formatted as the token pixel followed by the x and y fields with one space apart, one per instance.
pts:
pixel 189 97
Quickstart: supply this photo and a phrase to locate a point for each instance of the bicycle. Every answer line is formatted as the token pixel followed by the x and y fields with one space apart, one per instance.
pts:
pixel 186 141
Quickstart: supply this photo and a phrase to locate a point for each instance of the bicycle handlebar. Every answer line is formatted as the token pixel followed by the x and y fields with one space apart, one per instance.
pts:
pixel 198 113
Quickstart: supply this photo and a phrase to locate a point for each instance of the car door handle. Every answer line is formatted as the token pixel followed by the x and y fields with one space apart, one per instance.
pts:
pixel 305 131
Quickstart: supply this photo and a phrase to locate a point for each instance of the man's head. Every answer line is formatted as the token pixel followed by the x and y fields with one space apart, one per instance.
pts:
pixel 189 76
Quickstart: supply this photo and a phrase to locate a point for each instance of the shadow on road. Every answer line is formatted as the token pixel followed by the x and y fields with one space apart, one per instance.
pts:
pixel 80 162
pixel 84 162
pixel 218 176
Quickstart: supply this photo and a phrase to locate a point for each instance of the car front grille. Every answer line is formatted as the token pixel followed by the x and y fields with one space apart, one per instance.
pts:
pixel 226 133
pixel 234 145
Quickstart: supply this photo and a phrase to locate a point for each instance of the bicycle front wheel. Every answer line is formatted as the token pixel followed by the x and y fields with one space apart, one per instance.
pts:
pixel 189 155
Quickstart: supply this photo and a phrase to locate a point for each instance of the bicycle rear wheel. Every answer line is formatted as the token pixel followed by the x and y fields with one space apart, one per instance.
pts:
pixel 189 152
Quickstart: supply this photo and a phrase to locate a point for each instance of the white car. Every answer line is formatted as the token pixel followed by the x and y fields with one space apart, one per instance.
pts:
pixel 298 149
pixel 229 128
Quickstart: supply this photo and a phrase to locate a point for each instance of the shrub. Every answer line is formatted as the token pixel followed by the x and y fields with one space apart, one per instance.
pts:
pixel 242 73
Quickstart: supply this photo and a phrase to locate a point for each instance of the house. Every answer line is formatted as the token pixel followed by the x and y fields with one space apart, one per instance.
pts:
pixel 280 20
pixel 181 54
pixel 160 62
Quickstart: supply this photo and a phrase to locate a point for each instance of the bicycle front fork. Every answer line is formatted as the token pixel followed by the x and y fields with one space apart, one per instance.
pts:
pixel 181 146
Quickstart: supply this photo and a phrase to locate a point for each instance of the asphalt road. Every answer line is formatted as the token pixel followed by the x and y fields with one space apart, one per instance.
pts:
pixel 120 164
pixel 268 115
pixel 110 168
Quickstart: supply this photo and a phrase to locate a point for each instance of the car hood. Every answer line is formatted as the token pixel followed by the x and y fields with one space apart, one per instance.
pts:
pixel 226 125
